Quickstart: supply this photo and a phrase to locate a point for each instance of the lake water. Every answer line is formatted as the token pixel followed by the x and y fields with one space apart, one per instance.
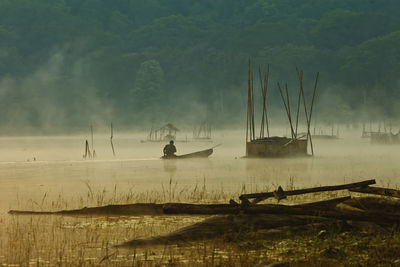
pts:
pixel 37 170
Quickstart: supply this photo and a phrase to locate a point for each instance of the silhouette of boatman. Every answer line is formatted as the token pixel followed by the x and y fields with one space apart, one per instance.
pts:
pixel 169 150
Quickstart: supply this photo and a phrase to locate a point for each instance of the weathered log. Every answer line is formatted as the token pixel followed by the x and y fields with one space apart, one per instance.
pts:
pixel 377 191
pixel 325 203
pixel 130 209
pixel 376 204
pixel 342 212
pixel 313 208
pixel 360 209
pixel 181 208
pixel 142 209
pixel 262 196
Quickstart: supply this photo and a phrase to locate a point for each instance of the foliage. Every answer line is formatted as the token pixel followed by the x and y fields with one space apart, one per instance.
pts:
pixel 110 48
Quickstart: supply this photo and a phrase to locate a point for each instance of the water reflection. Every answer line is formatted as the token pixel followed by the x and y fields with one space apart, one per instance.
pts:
pixel 278 170
pixel 170 166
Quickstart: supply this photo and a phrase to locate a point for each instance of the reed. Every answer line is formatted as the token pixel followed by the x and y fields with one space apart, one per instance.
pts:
pixel 88 241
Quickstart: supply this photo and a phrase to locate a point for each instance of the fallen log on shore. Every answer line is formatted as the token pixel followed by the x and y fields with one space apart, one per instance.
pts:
pixel 183 208
pixel 123 210
pixel 377 191
pixel 376 204
pixel 280 193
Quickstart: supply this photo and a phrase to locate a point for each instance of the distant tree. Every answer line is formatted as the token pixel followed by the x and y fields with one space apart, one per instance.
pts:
pixel 120 23
pixel 374 66
pixel 374 62
pixel 253 38
pixel 172 31
pixel 148 89
pixel 286 58
pixel 342 27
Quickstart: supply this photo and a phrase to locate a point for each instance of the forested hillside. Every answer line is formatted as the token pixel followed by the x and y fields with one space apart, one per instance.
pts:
pixel 67 63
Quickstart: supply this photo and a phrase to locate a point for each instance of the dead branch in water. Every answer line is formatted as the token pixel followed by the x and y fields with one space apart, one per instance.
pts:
pixel 111 139
pixel 87 151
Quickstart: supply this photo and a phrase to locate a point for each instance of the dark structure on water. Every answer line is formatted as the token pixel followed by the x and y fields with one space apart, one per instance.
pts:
pixel 265 145
pixel 323 136
pixel 385 137
pixel 163 134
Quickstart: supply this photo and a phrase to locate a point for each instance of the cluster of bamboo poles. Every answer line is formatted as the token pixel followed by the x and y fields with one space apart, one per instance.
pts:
pixel 250 130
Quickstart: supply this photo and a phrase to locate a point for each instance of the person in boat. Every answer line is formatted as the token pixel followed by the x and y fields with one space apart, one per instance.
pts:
pixel 170 149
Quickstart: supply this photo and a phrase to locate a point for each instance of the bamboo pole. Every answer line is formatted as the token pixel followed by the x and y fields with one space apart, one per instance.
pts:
pixel 312 105
pixel 266 79
pixel 248 104
pixel 93 150
pixel 306 113
pixel 288 105
pixel 111 139
pixel 91 134
pixel 263 103
pixel 252 106
pixel 298 107
pixel 287 112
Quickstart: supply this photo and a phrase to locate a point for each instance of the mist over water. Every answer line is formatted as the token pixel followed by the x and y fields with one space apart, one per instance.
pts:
pixel 33 168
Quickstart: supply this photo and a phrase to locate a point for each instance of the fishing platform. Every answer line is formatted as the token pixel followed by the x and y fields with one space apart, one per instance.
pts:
pixel 265 145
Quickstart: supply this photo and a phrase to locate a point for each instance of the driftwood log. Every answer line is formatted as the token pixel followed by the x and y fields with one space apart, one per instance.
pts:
pixel 183 208
pixel 280 194
pixel 377 191
pixel 123 210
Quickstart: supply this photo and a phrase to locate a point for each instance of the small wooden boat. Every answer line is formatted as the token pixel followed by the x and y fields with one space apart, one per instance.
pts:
pixel 199 154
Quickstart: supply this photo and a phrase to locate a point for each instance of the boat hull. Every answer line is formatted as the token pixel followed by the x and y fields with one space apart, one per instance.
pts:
pixel 199 154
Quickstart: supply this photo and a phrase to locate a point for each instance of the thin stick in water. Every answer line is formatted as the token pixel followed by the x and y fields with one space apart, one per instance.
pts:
pixel 111 139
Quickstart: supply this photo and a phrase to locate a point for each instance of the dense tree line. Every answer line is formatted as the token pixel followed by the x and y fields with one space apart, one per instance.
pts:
pixel 65 63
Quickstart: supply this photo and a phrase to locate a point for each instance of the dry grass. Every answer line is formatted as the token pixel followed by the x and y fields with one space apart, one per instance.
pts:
pixel 88 241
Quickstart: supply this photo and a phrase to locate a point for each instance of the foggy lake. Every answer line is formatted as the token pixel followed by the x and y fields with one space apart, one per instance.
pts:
pixel 32 167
